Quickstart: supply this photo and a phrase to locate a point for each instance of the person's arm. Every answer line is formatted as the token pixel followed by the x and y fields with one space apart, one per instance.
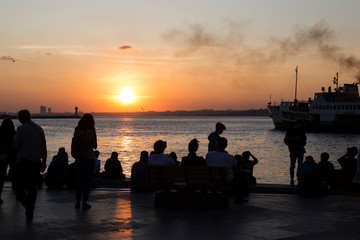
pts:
pixel 254 158
pixel 44 153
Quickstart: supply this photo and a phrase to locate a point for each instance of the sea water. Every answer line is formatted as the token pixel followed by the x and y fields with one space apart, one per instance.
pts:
pixel 130 135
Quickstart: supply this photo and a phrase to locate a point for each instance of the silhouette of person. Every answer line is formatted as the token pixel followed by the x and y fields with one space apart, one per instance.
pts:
pixel 327 171
pixel 31 158
pixel 159 158
pixel 57 173
pixel 139 181
pixel 220 158
pixel 7 152
pixel 97 164
pixel 113 168
pixel 214 136
pixel 192 159
pixel 248 165
pixel 348 164
pixel 85 165
pixel 174 157
pixel 295 139
pixel 309 181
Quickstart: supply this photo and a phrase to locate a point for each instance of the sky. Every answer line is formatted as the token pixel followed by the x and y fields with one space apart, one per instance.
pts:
pixel 160 55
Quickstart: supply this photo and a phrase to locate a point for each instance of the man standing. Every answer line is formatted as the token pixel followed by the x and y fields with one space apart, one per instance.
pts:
pixel 31 158
pixel 295 139
pixel 214 136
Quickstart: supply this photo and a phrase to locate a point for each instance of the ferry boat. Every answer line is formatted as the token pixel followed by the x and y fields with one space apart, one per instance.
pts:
pixel 336 110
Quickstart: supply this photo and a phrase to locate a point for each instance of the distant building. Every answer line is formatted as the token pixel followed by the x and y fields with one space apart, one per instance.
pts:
pixel 76 111
pixel 49 110
pixel 42 109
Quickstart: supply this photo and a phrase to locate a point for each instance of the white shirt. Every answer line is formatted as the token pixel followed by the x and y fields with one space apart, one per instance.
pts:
pixel 222 159
pixel 160 159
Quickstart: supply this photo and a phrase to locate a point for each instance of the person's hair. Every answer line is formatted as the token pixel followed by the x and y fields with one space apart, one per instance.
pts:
pixel 324 156
pixel 114 155
pixel 222 143
pixel 160 146
pixel 309 159
pixel 352 151
pixel 144 156
pixel 193 145
pixel 86 122
pixel 246 154
pixel 220 126
pixel 7 128
pixel 173 155
pixel 24 115
pixel 62 153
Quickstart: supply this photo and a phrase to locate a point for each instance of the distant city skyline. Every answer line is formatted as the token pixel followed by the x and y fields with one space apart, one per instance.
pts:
pixel 130 56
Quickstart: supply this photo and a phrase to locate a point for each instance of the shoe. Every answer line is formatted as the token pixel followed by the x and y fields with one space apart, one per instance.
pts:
pixel 292 183
pixel 77 205
pixel 86 206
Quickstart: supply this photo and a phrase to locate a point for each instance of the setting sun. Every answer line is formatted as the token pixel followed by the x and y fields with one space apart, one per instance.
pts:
pixel 126 96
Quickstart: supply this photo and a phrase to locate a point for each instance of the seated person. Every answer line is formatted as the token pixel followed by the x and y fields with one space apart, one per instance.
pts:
pixel 220 158
pixel 249 166
pixel 97 164
pixel 57 172
pixel 139 181
pixel 192 159
pixel 158 158
pixel 327 171
pixel 113 168
pixel 308 174
pixel 174 157
pixel 348 164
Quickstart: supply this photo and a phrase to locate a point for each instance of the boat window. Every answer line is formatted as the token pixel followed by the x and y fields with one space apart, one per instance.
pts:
pixel 346 107
pixel 327 106
pixel 350 107
pixel 342 107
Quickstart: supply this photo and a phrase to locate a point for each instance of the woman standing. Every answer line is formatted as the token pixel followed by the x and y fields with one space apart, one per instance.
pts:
pixel 7 152
pixel 85 136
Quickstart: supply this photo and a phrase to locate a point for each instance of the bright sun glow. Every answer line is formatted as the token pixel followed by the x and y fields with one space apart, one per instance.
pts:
pixel 126 96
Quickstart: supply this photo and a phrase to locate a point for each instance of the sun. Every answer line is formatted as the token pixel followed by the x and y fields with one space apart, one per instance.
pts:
pixel 126 95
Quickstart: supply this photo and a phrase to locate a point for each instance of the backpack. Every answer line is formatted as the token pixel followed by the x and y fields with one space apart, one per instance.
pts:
pixel 79 146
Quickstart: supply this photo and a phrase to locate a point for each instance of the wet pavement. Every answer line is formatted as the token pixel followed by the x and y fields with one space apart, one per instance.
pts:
pixel 119 214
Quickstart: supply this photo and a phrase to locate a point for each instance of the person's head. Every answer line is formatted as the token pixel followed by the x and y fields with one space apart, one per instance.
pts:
pixel 324 157
pixel 144 156
pixel 221 144
pixel 246 155
pixel 240 159
pixel 351 152
pixel 219 128
pixel 173 156
pixel 309 159
pixel 193 145
pixel 86 122
pixel 114 155
pixel 97 153
pixel 7 126
pixel 160 146
pixel 62 153
pixel 24 116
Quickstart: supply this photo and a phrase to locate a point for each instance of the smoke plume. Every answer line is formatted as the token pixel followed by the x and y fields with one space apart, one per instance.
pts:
pixel 7 58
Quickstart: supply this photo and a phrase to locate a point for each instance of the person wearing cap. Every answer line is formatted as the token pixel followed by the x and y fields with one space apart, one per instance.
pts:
pixel 214 136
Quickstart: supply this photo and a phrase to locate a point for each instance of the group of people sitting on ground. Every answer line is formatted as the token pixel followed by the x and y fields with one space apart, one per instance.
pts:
pixel 60 173
pixel 318 178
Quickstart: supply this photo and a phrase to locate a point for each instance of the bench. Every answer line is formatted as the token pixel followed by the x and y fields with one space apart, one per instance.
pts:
pixel 189 186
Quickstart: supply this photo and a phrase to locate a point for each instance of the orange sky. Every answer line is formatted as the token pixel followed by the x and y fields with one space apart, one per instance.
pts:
pixel 216 56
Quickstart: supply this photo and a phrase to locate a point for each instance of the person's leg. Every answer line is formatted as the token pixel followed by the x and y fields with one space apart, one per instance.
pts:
pixel 292 164
pixel 79 181
pixel 88 176
pixel 3 169
pixel 19 183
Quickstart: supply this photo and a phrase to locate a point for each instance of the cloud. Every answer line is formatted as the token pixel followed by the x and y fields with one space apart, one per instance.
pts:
pixel 7 58
pixel 125 47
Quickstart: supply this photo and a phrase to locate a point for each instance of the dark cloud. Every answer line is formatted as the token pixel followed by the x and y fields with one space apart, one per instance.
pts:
pixel 7 58
pixel 125 47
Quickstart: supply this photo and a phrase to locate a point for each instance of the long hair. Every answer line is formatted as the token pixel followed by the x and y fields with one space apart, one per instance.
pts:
pixel 86 122
pixel 7 130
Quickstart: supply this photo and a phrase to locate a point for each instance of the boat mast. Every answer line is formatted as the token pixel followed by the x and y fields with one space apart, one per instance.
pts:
pixel 296 70
pixel 336 81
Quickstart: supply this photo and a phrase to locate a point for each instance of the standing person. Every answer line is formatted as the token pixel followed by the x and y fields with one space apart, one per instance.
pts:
pixel 82 149
pixel 31 158
pixel 214 136
pixel 7 153
pixel 295 139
